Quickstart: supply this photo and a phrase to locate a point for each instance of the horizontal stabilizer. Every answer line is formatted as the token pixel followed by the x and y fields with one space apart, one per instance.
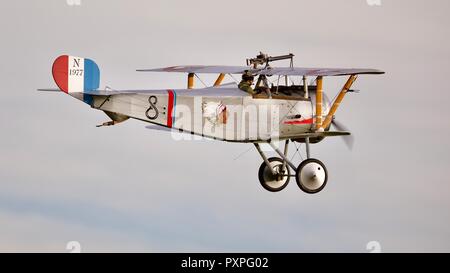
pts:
pixel 50 90
pixel 93 92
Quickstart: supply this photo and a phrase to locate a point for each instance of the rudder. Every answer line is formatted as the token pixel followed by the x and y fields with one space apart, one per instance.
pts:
pixel 75 74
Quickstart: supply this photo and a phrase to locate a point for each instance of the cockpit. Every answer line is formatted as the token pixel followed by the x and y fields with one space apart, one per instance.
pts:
pixel 264 89
pixel 283 92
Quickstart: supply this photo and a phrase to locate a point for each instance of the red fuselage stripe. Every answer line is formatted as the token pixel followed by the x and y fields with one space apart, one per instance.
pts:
pixel 170 108
pixel 298 122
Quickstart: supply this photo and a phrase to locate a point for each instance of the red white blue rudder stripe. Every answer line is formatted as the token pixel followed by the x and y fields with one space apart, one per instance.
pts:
pixel 75 74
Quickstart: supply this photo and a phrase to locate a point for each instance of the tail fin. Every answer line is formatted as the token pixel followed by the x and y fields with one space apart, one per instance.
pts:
pixel 75 74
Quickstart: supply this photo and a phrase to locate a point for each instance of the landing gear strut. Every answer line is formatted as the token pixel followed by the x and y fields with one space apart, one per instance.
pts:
pixel 274 173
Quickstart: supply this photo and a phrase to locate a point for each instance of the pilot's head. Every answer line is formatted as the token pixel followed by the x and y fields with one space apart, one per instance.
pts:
pixel 248 77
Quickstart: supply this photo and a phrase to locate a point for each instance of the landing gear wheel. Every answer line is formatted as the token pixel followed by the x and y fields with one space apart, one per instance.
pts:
pixel 270 182
pixel 311 176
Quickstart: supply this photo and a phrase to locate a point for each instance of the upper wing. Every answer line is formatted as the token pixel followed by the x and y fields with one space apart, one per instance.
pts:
pixel 303 71
pixel 300 71
pixel 203 69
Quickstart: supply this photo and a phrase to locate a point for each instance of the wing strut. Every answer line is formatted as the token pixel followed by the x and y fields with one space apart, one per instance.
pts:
pixel 338 100
pixel 190 83
pixel 219 79
pixel 319 102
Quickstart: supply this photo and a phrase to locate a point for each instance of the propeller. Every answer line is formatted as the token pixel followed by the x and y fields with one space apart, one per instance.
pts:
pixel 348 140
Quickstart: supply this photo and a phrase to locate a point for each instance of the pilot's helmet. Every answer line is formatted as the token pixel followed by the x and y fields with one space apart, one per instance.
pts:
pixel 247 76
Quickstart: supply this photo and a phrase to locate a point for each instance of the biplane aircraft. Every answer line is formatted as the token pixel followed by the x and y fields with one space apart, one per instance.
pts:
pixel 278 110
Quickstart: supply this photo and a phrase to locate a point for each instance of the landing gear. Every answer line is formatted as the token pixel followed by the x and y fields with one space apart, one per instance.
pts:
pixel 311 176
pixel 274 173
pixel 274 182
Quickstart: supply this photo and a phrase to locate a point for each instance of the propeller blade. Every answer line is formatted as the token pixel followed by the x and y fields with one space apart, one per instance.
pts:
pixel 348 140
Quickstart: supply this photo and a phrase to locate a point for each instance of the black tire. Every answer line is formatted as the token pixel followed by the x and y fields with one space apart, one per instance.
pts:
pixel 262 175
pixel 299 182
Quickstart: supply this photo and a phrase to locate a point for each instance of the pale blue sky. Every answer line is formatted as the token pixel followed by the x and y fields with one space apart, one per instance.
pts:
pixel 126 188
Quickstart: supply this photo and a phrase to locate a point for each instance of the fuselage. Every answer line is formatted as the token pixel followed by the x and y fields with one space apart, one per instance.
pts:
pixel 223 113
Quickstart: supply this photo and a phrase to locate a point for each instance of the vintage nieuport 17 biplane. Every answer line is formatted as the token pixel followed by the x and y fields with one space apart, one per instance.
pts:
pixel 277 110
